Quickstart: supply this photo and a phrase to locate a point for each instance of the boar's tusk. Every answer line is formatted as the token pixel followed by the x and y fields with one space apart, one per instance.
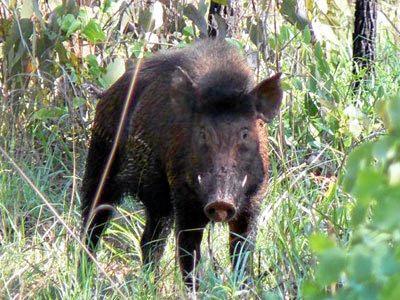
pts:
pixel 199 178
pixel 244 181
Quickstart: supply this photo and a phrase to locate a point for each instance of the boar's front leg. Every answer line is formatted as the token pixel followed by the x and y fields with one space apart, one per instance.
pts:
pixel 154 237
pixel 190 224
pixel 242 236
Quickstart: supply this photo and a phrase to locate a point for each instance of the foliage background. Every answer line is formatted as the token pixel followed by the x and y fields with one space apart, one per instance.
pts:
pixel 315 239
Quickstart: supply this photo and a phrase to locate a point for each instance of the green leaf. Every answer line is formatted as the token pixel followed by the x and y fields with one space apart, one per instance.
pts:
pixel 360 264
pixel 386 216
pixel 306 35
pixel 312 291
pixel 44 114
pixel 388 264
pixel 310 105
pixel 391 290
pixel 359 158
pixel 69 24
pixel 393 111
pixel 332 262
pixel 368 184
pixel 320 243
pixel 113 71
pixel 188 31
pixel 359 214
pixel 236 43
pixel 93 32
pixel 384 149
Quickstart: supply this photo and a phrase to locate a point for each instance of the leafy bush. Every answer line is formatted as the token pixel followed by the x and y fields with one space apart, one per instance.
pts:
pixel 369 266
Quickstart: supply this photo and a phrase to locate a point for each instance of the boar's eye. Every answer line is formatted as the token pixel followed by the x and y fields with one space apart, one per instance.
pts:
pixel 244 134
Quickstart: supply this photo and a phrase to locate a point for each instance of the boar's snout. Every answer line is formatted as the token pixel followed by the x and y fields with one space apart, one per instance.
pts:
pixel 220 211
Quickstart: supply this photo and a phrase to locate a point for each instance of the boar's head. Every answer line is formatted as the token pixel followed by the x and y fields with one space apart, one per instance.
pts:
pixel 224 163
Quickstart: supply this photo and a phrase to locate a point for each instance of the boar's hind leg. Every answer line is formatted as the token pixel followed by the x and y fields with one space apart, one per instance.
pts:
pixel 94 222
pixel 242 234
pixel 189 231
pixel 154 237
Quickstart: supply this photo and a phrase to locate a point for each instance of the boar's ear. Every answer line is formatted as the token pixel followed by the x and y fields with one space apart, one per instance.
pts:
pixel 182 91
pixel 268 94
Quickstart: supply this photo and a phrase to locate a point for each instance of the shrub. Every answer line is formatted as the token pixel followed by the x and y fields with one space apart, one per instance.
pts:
pixel 368 267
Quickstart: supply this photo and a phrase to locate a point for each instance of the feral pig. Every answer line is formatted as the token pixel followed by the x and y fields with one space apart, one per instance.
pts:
pixel 193 150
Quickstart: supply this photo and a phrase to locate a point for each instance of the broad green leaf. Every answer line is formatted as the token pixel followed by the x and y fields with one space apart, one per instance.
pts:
pixel 113 71
pixel 93 32
pixel 44 114
pixel 368 184
pixel 312 291
pixel 332 263
pixel 69 24
pixel 360 264
pixel 359 214
pixel 386 211
pixel 391 290
pixel 188 31
pixel 358 159
pixel 306 35
pixel 393 110
pixel 310 105
pixel 388 264
pixel 320 243
pixel 235 43
pixel 384 149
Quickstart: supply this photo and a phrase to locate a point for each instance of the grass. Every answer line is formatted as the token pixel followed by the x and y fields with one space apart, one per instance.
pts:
pixel 309 144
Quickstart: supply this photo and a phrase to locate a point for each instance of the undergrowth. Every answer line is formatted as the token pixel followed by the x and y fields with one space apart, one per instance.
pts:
pixel 46 114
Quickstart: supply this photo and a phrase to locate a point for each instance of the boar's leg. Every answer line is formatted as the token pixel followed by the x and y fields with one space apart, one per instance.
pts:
pixel 154 237
pixel 95 220
pixel 189 232
pixel 96 223
pixel 242 235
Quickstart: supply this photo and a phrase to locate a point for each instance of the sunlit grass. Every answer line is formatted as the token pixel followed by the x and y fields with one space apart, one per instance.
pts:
pixel 309 144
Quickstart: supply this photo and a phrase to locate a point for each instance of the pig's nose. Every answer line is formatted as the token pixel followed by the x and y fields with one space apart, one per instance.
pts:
pixel 220 211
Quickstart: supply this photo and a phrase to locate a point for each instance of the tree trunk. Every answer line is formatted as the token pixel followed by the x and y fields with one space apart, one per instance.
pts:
pixel 364 38
pixel 217 25
pixel 215 9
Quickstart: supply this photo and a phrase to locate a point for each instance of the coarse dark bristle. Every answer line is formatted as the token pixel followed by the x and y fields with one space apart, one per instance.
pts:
pixel 219 71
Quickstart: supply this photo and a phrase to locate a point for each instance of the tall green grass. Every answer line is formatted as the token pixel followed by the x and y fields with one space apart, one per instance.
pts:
pixel 320 123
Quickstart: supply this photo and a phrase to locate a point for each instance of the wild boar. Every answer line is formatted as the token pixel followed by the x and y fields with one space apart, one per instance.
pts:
pixel 193 149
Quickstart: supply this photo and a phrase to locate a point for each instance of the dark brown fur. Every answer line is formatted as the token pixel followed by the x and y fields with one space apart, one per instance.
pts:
pixel 195 128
